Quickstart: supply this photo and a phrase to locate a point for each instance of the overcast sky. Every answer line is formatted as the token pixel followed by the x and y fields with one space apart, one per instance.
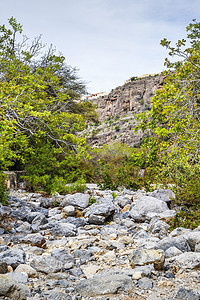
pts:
pixel 107 40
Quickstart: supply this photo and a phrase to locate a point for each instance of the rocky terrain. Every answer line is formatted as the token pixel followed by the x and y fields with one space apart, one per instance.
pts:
pixel 118 109
pixel 96 245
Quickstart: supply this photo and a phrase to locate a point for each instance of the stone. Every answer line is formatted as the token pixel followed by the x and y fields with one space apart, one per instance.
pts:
pixel 192 238
pixel 27 269
pixel 145 283
pixel 39 220
pixel 98 212
pixel 104 284
pixel 46 264
pixel 78 222
pixel 12 289
pixel 68 210
pixel 147 206
pixel 63 256
pixel 34 239
pixel 46 202
pixel 178 241
pixel 13 257
pixel 186 294
pixel 166 195
pixel 25 227
pixel 141 257
pixel 21 277
pixel 63 229
pixel 172 251
pixel 187 260
pixel 78 200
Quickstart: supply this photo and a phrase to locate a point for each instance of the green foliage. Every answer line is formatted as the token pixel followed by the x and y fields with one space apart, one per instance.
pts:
pixel 3 195
pixel 173 124
pixel 118 165
pixel 187 218
pixel 114 195
pixel 92 200
pixel 40 112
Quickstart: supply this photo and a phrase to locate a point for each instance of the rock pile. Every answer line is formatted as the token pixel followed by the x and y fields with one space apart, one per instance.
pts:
pixel 116 248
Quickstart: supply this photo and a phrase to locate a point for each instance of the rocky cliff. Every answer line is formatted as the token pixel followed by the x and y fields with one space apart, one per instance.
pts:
pixel 118 109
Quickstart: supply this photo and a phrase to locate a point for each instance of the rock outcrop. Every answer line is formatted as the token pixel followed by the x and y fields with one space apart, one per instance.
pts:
pixel 118 109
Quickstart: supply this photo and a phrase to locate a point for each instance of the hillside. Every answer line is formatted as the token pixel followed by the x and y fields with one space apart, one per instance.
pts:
pixel 118 109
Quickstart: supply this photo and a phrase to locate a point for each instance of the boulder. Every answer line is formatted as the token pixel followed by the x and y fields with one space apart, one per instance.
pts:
pixel 34 239
pixel 46 264
pixel 147 207
pixel 104 284
pixel 12 289
pixel 141 257
pixel 189 260
pixel 78 200
pixel 13 257
pixel 98 212
pixel 27 269
pixel 178 241
pixel 63 229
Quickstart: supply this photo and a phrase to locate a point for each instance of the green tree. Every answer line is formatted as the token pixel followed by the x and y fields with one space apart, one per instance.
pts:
pixel 40 110
pixel 173 122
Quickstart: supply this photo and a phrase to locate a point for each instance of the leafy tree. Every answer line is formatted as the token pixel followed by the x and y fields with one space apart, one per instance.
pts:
pixel 173 122
pixel 39 112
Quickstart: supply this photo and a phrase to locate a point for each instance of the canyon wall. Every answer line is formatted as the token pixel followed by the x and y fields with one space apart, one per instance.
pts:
pixel 118 109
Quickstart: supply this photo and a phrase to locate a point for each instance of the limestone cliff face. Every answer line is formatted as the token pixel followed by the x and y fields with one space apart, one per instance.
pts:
pixel 118 109
pixel 131 98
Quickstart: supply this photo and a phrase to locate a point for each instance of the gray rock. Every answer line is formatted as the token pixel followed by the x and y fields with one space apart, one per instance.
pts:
pixel 78 200
pixel 179 242
pixel 46 264
pixel 84 254
pixel 13 257
pixel 187 260
pixel 68 210
pixel 141 257
pixel 12 289
pixel 27 269
pixel 24 228
pixel 21 277
pixel 184 294
pixel 39 220
pixel 172 251
pixel 147 206
pixel 46 202
pixel 104 284
pixel 34 239
pixel 158 227
pixel 122 201
pixel 145 283
pixel 164 194
pixel 192 238
pixel 63 256
pixel 78 222
pixel 63 229
pixel 98 212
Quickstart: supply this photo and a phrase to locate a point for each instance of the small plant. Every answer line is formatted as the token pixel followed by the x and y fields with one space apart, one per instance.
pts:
pixel 114 195
pixel 92 200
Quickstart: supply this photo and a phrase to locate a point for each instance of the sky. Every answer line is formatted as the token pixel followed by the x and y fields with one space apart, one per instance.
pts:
pixel 108 41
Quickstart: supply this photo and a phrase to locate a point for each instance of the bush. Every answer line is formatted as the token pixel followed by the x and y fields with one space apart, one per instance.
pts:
pixel 3 194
